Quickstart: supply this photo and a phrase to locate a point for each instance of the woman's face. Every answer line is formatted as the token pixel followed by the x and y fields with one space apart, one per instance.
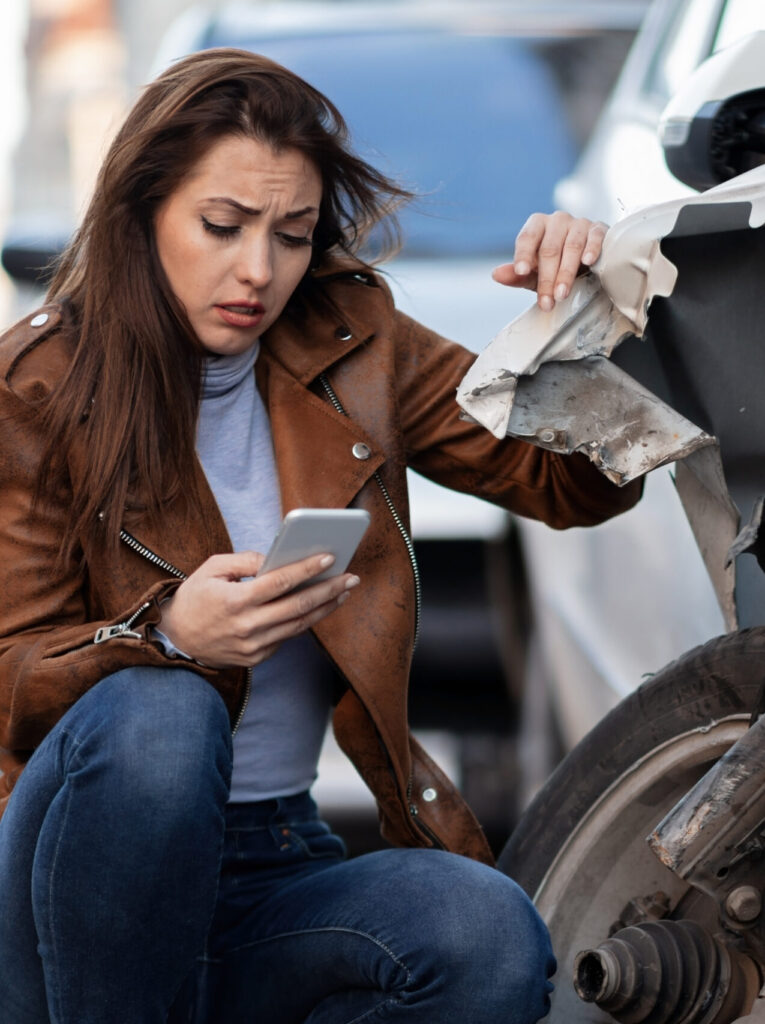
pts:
pixel 234 239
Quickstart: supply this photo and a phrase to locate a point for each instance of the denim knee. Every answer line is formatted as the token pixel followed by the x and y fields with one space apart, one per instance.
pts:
pixel 482 934
pixel 161 732
pixel 528 960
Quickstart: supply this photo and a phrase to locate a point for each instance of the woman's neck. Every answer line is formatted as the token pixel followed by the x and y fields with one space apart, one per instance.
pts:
pixel 221 374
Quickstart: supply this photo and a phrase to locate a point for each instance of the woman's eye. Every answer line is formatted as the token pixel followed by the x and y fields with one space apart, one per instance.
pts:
pixel 294 241
pixel 219 230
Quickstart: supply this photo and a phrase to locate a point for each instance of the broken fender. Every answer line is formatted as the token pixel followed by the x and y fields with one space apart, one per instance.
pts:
pixel 546 378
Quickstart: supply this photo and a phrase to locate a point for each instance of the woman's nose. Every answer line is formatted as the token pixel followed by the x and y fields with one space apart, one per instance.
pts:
pixel 255 265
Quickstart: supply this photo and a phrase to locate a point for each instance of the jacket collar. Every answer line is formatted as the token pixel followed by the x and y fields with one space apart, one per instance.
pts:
pixel 307 346
pixel 313 442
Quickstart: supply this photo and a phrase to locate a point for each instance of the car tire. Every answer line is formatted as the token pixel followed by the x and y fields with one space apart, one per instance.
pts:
pixel 579 849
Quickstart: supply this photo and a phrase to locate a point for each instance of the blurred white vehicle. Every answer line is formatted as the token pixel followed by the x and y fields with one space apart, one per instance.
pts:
pixel 623 167
pixel 616 604
pixel 644 845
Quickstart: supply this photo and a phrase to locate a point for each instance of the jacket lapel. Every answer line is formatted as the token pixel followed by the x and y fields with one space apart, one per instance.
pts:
pixel 313 443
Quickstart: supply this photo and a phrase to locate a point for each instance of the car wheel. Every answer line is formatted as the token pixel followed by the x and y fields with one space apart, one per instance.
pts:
pixel 579 850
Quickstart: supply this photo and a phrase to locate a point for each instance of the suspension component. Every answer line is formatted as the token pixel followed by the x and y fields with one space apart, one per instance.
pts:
pixel 667 972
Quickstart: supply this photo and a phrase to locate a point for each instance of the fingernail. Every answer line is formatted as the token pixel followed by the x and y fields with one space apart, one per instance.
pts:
pixel 343 597
pixel 522 268
pixel 353 581
pixel 588 258
pixel 545 303
pixel 326 561
pixel 561 291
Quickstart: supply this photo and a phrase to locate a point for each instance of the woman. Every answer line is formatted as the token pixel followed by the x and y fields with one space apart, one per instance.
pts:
pixel 142 474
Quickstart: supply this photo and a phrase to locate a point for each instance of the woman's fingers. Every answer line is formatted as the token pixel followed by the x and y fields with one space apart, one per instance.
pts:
pixel 223 619
pixel 293 606
pixel 263 641
pixel 528 243
pixel 594 243
pixel 559 257
pixel 549 252
pixel 278 582
pixel 507 273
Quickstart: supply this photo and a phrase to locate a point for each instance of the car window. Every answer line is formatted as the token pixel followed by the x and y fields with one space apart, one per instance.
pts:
pixel 739 18
pixel 474 124
pixel 687 40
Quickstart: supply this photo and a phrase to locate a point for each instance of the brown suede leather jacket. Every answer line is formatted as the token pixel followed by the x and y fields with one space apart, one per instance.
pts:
pixel 396 382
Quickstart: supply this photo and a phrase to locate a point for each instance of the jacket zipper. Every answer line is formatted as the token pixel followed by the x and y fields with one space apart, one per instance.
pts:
pixel 394 513
pixel 123 629
pixel 147 553
pixel 245 702
pixel 415 816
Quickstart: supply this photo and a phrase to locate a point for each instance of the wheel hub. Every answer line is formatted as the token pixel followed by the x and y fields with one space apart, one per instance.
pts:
pixel 667 972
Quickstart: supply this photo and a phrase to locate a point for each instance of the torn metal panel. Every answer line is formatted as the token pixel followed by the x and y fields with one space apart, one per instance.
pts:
pixel 610 303
pixel 632 268
pixel 714 838
pixel 606 305
pixel 594 407
pixel 585 324
pixel 714 519
pixel 700 258
pixel 700 836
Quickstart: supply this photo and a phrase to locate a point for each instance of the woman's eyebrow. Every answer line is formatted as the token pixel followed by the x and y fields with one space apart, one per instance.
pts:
pixel 250 211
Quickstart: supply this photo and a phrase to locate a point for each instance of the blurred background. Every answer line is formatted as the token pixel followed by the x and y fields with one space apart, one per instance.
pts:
pixel 538 70
pixel 483 108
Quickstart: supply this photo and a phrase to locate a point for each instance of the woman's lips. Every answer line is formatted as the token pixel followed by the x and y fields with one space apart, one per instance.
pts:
pixel 241 314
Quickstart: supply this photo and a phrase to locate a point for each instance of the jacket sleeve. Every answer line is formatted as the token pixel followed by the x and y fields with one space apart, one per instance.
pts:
pixel 48 653
pixel 560 490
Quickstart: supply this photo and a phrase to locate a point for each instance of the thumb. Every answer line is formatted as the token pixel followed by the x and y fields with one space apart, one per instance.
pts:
pixel 506 274
pixel 236 566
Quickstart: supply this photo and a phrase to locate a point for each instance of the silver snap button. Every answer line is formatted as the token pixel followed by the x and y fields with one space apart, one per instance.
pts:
pixel 40 320
pixel 343 334
pixel 361 450
pixel 429 795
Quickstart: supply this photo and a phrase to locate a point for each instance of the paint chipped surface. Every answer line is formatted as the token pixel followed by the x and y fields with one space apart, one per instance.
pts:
pixel 623 429
pixel 719 821
pixel 605 306
pixel 594 407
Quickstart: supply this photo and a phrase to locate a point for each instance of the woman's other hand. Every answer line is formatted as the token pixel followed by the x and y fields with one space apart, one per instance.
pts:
pixel 221 618
pixel 549 253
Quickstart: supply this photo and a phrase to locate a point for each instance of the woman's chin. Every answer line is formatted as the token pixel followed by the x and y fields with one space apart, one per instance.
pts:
pixel 229 344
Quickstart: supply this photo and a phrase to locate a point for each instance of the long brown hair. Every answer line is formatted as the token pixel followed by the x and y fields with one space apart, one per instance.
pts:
pixel 131 394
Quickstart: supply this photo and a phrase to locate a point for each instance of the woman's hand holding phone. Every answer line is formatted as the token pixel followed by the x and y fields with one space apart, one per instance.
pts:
pixel 221 617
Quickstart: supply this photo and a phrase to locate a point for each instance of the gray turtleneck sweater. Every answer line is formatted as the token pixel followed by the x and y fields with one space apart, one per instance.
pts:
pixel 277 745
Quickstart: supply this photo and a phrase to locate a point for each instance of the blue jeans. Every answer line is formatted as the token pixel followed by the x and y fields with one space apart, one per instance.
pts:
pixel 140 896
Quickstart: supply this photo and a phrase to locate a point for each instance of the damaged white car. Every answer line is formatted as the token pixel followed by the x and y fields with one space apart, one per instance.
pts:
pixel 645 851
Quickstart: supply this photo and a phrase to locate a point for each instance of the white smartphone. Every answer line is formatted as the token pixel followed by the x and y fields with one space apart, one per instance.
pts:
pixel 313 531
